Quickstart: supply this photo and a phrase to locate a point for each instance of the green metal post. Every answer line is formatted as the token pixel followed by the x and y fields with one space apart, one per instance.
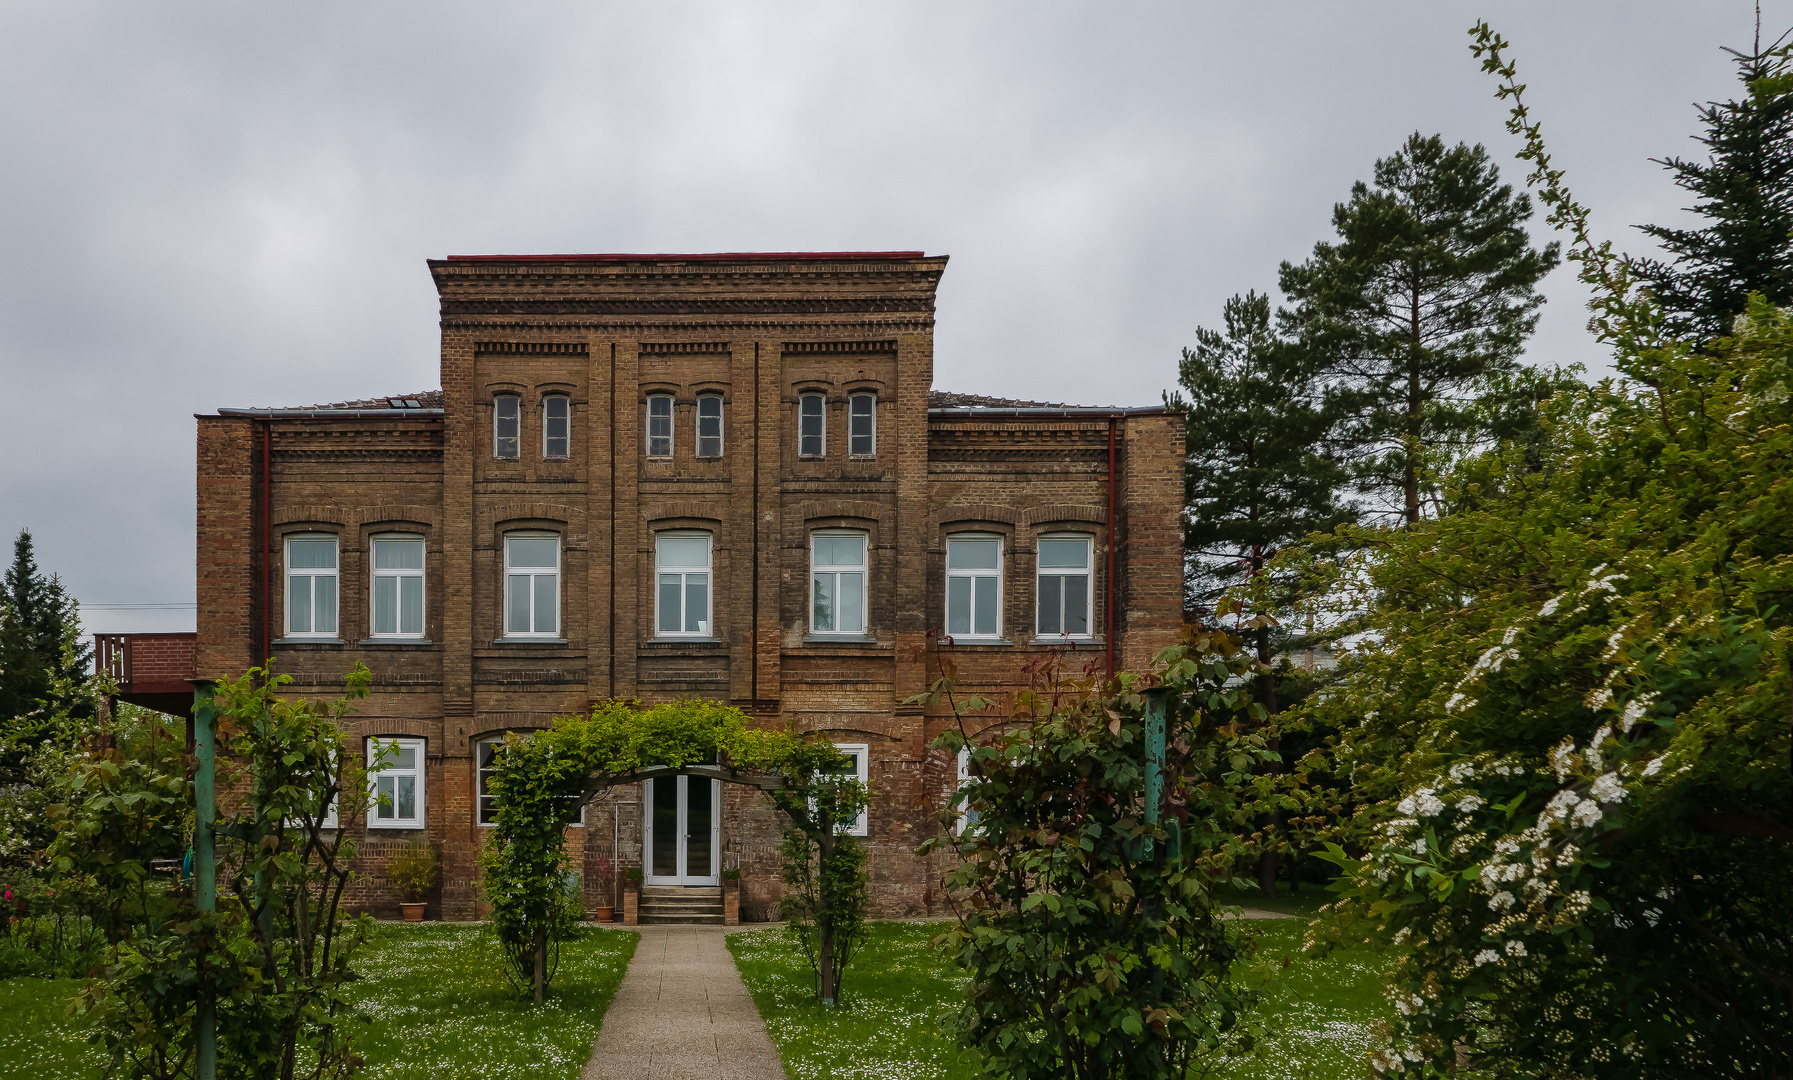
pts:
pixel 1154 758
pixel 205 870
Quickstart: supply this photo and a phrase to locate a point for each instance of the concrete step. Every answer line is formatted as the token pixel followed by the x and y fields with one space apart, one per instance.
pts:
pixel 650 918
pixel 681 890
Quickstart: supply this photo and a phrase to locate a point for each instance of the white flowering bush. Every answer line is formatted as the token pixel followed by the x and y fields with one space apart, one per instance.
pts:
pixel 1573 717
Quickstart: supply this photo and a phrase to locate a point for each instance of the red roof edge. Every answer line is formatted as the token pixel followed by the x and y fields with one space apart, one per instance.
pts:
pixel 718 256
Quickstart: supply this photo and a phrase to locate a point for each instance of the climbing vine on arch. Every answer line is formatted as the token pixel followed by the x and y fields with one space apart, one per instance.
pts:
pixel 541 779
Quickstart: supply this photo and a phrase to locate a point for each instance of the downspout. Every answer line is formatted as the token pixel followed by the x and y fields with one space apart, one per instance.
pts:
pixel 611 650
pixel 267 535
pixel 1108 603
pixel 753 648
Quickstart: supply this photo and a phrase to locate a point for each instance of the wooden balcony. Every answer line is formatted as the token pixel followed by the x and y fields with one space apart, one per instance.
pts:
pixel 151 670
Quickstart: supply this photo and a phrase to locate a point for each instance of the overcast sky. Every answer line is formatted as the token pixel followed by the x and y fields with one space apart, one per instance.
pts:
pixel 231 204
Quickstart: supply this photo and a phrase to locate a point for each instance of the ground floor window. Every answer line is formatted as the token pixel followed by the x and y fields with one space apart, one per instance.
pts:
pixel 395 776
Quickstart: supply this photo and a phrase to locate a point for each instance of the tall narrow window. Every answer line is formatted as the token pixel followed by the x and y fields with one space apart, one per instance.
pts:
pixel 486 808
pixel 531 585
pixel 811 425
pixel 398 586
pixel 659 425
pixel 682 592
pixel 506 425
pixel 862 425
pixel 709 425
pixel 837 583
pixel 557 424
pixel 857 768
pixel 967 816
pixel 1064 586
pixel 974 586
pixel 395 775
pixel 311 586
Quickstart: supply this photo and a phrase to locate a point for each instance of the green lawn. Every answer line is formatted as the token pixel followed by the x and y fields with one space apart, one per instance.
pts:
pixel 440 1007
pixel 901 995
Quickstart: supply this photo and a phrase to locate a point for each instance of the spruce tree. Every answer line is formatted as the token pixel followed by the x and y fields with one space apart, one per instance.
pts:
pixel 1744 190
pixel 40 642
pixel 1258 475
pixel 1418 311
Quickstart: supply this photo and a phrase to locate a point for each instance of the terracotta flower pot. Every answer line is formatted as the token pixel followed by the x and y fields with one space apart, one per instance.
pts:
pixel 604 913
pixel 413 912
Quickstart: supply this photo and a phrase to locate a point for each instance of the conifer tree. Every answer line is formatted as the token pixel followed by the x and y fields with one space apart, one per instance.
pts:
pixel 1259 473
pixel 1744 190
pixel 40 643
pixel 1422 304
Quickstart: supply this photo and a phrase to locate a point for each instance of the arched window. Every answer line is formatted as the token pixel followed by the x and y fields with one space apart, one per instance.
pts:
pixel 557 425
pixel 506 426
pixel 812 426
pixel 682 585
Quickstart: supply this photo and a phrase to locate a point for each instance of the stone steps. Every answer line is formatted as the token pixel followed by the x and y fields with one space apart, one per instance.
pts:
pixel 664 904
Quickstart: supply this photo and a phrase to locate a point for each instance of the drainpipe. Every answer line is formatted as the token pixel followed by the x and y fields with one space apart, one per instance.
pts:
pixel 1108 604
pixel 267 539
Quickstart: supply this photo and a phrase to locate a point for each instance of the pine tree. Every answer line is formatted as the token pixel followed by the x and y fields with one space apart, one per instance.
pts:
pixel 1744 190
pixel 40 643
pixel 1418 309
pixel 1258 473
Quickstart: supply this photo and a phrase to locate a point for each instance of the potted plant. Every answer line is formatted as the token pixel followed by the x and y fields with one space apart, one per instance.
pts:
pixel 632 895
pixel 412 870
pixel 604 884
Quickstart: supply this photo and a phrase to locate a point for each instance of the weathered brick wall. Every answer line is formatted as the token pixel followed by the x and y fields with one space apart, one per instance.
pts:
pixel 606 336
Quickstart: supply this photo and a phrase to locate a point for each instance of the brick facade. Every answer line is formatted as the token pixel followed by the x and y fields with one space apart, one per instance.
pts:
pixel 608 332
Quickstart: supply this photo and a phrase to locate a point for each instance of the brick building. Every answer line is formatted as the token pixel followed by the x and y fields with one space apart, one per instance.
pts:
pixel 655 477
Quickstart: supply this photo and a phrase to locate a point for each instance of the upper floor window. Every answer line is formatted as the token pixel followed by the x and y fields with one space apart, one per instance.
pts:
pixel 531 585
pixel 974 586
pixel 1064 585
pixel 659 425
pixel 398 586
pixel 709 425
pixel 507 421
pixel 812 424
pixel 311 586
pixel 395 774
pixel 862 425
pixel 837 583
pixel 682 591
pixel 557 425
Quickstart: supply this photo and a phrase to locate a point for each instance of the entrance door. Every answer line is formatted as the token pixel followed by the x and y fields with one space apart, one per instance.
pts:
pixel 684 830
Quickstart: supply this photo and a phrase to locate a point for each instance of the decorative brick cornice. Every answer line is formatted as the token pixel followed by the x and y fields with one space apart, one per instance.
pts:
pixel 886 346
pixel 682 348
pixel 532 348
pixel 621 327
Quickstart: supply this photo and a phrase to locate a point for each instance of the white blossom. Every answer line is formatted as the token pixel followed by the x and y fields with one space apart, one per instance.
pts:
pixel 1515 948
pixel 1595 761
pixel 1562 759
pixel 1588 813
pixel 1419 846
pixel 1486 956
pixel 1459 702
pixel 1613 642
pixel 1402 933
pixel 1654 767
pixel 1559 805
pixel 1551 605
pixel 1507 638
pixel 1598 698
pixel 1407 805
pixel 1634 711
pixel 1568 855
pixel 1500 901
pixel 1608 788
pixel 1506 845
pixel 1430 805
pixel 1469 804
pixel 1462 771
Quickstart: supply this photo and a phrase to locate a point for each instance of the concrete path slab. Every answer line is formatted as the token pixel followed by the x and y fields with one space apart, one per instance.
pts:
pixel 683 1012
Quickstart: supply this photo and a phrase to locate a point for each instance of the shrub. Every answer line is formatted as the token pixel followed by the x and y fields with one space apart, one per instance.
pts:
pixel 413 868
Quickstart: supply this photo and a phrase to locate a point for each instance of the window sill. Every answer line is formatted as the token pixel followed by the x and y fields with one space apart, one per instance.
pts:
pixel 838 639
pixel 683 643
pixel 958 642
pixel 1072 641
pixel 287 641
pixel 410 825
pixel 529 641
pixel 395 643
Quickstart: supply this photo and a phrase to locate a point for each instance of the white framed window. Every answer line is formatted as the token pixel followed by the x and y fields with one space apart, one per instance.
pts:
pixel 682 584
pixel 859 767
pixel 398 586
pixel 709 425
pixel 485 808
pixel 507 423
pixel 531 585
pixel 311 585
pixel 862 425
pixel 967 816
pixel 837 582
pixel 974 585
pixel 812 425
pixel 395 781
pixel 557 426
pixel 1063 586
pixel 659 425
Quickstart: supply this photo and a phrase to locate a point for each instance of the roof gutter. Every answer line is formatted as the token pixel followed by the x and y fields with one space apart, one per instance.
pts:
pixel 1042 413
pixel 328 412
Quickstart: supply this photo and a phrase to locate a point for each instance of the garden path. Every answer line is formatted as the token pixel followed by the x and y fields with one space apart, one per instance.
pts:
pixel 682 1013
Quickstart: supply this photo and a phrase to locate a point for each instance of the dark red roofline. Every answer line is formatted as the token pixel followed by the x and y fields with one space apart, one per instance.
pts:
pixel 718 256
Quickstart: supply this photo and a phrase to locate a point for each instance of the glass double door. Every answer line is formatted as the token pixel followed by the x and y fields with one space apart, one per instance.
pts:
pixel 684 830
